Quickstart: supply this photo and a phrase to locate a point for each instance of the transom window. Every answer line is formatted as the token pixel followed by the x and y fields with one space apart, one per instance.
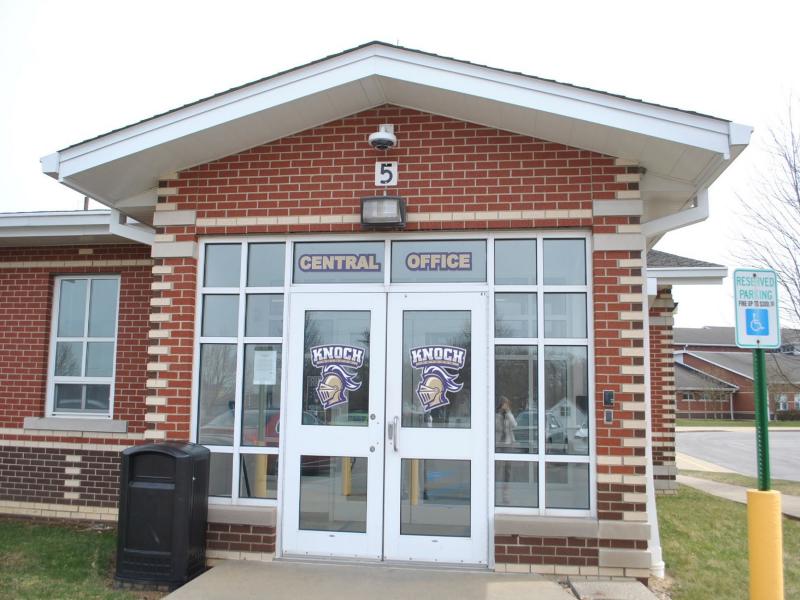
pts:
pixel 83 346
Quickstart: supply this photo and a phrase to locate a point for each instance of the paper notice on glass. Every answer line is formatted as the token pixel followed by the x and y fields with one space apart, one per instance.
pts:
pixel 265 367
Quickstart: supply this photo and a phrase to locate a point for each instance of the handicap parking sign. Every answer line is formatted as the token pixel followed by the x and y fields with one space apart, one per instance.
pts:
pixel 755 294
pixel 756 321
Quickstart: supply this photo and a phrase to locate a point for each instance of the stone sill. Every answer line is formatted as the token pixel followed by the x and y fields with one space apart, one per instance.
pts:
pixel 82 424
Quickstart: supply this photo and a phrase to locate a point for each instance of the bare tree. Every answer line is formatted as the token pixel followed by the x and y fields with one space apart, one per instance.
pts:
pixel 773 213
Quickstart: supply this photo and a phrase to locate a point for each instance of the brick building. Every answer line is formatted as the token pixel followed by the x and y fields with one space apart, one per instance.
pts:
pixel 491 369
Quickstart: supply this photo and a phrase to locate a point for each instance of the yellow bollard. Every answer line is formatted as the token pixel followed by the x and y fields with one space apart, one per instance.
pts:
pixel 260 483
pixel 347 476
pixel 765 545
pixel 414 481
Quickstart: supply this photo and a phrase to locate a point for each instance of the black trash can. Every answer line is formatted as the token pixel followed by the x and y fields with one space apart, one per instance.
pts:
pixel 163 507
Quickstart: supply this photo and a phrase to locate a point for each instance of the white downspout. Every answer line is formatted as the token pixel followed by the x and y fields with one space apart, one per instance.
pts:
pixel 683 218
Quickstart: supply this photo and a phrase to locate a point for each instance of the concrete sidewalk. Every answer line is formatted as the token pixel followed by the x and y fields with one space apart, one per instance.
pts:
pixel 790 505
pixel 245 580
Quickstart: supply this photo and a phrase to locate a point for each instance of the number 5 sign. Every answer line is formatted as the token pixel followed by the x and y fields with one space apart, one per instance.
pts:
pixel 385 174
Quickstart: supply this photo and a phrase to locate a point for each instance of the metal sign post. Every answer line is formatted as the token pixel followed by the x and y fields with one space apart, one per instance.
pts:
pixel 755 293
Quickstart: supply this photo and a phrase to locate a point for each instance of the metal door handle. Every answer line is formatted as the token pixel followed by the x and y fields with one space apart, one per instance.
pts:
pixel 394 431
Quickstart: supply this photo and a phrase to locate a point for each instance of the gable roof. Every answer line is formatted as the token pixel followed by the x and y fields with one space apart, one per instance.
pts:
pixel 711 335
pixel 657 259
pixel 670 269
pixel 682 151
pixel 687 378
pixel 781 368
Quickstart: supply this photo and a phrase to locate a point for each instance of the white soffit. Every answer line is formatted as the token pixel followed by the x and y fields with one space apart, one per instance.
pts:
pixel 688 149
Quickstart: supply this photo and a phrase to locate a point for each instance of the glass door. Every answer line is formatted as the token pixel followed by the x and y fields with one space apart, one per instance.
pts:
pixel 333 498
pixel 436 443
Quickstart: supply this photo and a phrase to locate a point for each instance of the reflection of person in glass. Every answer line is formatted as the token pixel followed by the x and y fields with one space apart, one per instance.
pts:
pixel 504 424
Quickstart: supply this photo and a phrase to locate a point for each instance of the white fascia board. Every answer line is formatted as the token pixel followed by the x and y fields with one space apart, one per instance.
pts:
pixel 538 95
pixel 689 275
pixel 62 219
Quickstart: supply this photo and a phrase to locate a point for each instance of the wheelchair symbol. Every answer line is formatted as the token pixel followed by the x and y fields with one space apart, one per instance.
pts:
pixel 757 321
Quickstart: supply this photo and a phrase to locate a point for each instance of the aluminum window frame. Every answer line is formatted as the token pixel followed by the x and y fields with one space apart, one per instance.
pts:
pixel 236 450
pixel 52 378
pixel 290 288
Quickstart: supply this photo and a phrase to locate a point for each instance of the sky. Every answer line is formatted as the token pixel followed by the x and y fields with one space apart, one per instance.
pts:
pixel 73 70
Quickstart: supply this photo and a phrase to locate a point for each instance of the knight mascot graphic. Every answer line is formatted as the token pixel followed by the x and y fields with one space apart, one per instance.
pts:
pixel 440 367
pixel 338 375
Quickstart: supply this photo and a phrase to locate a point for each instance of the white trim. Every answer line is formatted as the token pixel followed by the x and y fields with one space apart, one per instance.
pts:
pixel 52 379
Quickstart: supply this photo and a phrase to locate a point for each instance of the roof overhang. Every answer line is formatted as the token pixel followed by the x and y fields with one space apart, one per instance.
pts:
pixel 687 275
pixel 70 228
pixel 681 152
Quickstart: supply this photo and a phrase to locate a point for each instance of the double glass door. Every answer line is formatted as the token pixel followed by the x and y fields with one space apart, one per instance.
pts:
pixel 386 442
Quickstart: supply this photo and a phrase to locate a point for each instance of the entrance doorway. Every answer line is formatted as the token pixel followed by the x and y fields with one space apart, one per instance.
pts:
pixel 386 427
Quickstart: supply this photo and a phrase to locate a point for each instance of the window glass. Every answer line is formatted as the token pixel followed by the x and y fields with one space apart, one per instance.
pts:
pixel 264 315
pixel 336 368
pixel 103 308
pixel 516 427
pixel 338 262
pixel 97 397
pixel 515 315
pixel 567 485
pixel 439 261
pixel 265 265
pixel 72 308
pixel 333 493
pixel 258 477
pixel 564 262
pixel 222 265
pixel 68 397
pixel 220 475
pixel 566 377
pixel 515 262
pixel 217 394
pixel 220 315
pixel 435 497
pixel 565 315
pixel 261 395
pixel 437 369
pixel 69 356
pixel 516 483
pixel 99 359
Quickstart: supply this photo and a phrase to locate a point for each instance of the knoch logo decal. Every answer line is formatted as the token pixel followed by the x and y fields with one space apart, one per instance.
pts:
pixel 338 374
pixel 438 364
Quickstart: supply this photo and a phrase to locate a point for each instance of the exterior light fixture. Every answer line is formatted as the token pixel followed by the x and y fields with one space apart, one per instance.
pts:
pixel 383 212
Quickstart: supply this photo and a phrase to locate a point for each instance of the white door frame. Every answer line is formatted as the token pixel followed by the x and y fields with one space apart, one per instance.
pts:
pixel 438 443
pixel 346 441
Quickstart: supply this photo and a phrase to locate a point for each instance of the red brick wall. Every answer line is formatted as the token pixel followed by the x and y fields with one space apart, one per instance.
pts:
pixel 534 550
pixel 26 294
pixel 662 390
pixel 240 538
pixel 29 474
pixel 743 402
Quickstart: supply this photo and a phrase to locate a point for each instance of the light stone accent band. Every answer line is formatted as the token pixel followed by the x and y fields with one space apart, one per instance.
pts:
pixel 128 262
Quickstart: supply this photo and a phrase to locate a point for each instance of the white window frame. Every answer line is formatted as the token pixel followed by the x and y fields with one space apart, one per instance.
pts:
pixel 540 342
pixel 783 402
pixel 797 401
pixel 237 450
pixel 52 378
pixel 289 288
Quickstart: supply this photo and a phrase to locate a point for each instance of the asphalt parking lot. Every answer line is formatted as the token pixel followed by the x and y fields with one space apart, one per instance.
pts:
pixel 736 450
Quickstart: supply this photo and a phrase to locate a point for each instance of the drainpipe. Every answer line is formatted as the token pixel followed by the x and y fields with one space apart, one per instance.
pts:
pixel 694 214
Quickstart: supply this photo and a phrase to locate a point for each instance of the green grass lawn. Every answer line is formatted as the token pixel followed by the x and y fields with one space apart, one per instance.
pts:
pixel 704 541
pixel 730 423
pixel 782 485
pixel 56 561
